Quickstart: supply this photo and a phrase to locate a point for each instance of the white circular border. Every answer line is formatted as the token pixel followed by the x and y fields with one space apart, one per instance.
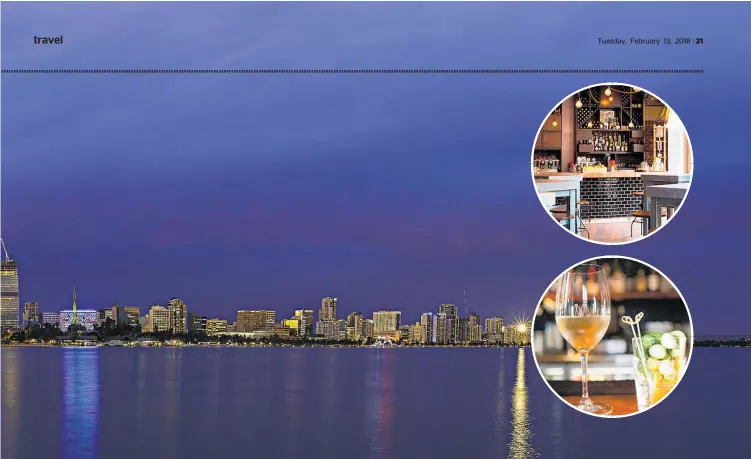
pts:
pixel 612 83
pixel 594 259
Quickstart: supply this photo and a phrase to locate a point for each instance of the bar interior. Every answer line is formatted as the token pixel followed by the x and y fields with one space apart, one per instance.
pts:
pixel 612 163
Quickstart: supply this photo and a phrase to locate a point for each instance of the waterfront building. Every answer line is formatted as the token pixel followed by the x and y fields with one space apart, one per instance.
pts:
pixel 354 321
pixel 306 318
pixel 441 328
pixel 415 333
pixel 103 314
pixel 214 326
pixel 367 328
pixel 145 323
pixel 494 329
pixel 120 315
pixel 426 323
pixel 178 315
pixel 293 325
pixel 196 323
pixel 133 315
pixel 405 334
pixel 86 318
pixel 452 319
pixel 386 324
pixel 9 305
pixel 328 309
pixel 51 318
pixel 160 319
pixel 475 328
pixel 30 312
pixel 254 320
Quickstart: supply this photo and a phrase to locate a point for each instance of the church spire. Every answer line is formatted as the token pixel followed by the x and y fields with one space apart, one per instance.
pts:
pixel 75 306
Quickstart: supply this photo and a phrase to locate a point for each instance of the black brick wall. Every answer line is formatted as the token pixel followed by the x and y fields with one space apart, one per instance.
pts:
pixel 610 197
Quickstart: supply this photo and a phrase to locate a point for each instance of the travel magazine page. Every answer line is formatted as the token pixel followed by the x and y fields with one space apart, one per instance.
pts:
pixel 378 230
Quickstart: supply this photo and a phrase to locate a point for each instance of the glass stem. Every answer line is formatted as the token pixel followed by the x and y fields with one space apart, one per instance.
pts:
pixel 585 379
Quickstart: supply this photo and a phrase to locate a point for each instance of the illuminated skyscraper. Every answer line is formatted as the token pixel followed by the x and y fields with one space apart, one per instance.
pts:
pixel 159 319
pixel 367 328
pixel 452 318
pixel 9 305
pixel 178 315
pixel 328 309
pixel 215 326
pixel 475 328
pixel 30 312
pixel 386 324
pixel 426 323
pixel 306 318
pixel 354 321
pixel 494 329
pixel 441 328
pixel 255 320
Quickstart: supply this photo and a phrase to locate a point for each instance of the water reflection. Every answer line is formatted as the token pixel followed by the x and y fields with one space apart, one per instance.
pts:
pixel 381 399
pixel 172 383
pixel 499 425
pixel 556 428
pixel 11 413
pixel 80 403
pixel 292 399
pixel 520 447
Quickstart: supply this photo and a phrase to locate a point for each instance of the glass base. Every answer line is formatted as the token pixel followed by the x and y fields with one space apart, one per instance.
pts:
pixel 588 406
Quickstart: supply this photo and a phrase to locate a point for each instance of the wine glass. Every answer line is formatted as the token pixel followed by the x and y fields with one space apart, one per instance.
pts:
pixel 583 315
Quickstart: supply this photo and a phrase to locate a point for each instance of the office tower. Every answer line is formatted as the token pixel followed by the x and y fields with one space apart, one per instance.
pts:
pixel 305 317
pixel 327 324
pixel 415 333
pixel 452 318
pixel 405 333
pixel 178 314
pixel 134 314
pixel 293 325
pixel 50 318
pixel 494 329
pixel 30 312
pixel 9 305
pixel 328 309
pixel 441 328
pixel 196 323
pixel 462 331
pixel 255 320
pixel 120 315
pixel 160 319
pixel 102 315
pixel 341 326
pixel 426 322
pixel 386 324
pixel 215 326
pixel 367 328
pixel 354 321
pixel 475 328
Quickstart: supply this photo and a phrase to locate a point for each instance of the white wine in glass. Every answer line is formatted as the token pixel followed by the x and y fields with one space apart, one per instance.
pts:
pixel 583 315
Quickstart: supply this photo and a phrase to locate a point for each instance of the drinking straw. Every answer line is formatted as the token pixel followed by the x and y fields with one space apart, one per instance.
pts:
pixel 639 345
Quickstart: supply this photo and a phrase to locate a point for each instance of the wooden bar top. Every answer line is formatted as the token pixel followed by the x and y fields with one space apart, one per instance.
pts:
pixel 622 404
pixel 616 174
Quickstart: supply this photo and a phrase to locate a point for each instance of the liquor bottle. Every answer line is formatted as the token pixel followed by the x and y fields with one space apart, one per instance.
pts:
pixel 641 281
pixel 618 286
pixel 653 281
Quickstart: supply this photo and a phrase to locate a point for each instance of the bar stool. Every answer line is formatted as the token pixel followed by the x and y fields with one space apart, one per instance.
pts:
pixel 639 215
pixel 582 226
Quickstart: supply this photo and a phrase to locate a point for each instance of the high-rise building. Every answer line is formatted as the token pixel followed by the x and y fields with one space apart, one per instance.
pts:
pixel 328 309
pixel 145 323
pixel 327 324
pixel 306 318
pixel 134 315
pixel 386 324
pixel 494 329
pixel 30 312
pixel 9 305
pixel 426 323
pixel 255 320
pixel 160 319
pixel 462 331
pixel 215 326
pixel 354 321
pixel 178 315
pixel 51 318
pixel 120 315
pixel 415 333
pixel 293 325
pixel 441 328
pixel 367 328
pixel 452 317
pixel 196 323
pixel 475 328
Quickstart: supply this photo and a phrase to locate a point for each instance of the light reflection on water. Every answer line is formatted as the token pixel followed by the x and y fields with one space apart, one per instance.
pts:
pixel 381 395
pixel 499 424
pixel 80 403
pixel 520 447
pixel 11 413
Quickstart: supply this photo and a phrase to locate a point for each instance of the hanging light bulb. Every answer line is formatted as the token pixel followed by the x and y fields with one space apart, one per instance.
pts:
pixel 555 122
pixel 608 91
pixel 630 124
pixel 610 98
pixel 579 103
pixel 589 125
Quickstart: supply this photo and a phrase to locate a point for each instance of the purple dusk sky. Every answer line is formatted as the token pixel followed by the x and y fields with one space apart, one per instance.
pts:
pixel 387 191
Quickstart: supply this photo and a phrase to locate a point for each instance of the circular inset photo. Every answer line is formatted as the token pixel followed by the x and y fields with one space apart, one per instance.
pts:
pixel 612 163
pixel 612 336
